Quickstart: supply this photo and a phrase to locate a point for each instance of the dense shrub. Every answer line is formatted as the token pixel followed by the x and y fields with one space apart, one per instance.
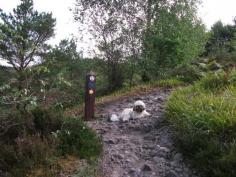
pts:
pixel 205 122
pixel 215 81
pixel 14 124
pixel 197 69
pixel 47 121
pixel 188 73
pixel 36 139
pixel 27 152
pixel 232 77
pixel 212 65
pixel 76 138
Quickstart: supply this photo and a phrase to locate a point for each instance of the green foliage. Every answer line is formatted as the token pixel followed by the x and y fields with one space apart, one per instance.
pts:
pixel 155 39
pixel 38 138
pixel 91 170
pixel 47 121
pixel 172 40
pixel 23 34
pixel 27 152
pixel 76 138
pixel 162 52
pixel 22 147
pixel 64 83
pixel 204 118
pixel 214 81
pixel 12 97
pixel 213 65
pixel 221 43
pixel 188 73
pixel 194 70
pixel 5 74
pixel 167 83
pixel 23 95
pixel 14 124
pixel 232 77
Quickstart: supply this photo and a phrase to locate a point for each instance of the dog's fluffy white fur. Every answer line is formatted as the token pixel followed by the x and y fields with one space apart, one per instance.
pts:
pixel 138 111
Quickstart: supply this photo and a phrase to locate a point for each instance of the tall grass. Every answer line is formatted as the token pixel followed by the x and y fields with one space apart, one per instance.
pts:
pixel 204 116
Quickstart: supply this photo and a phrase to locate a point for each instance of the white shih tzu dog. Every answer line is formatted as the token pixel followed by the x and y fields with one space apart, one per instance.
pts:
pixel 138 111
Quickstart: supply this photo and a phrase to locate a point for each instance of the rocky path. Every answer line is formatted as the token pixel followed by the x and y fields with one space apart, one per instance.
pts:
pixel 140 148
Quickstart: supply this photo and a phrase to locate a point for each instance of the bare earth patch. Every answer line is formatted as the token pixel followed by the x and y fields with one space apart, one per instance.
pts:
pixel 140 148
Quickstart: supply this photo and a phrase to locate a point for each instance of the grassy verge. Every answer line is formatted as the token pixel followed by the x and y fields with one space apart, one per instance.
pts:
pixel 92 169
pixel 204 116
pixel 129 91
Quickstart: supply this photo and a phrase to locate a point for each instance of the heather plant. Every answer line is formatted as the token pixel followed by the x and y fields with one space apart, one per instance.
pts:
pixel 39 137
pixel 76 138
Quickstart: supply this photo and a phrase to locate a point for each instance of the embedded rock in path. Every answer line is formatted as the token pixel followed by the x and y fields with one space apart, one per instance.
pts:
pixel 141 147
pixel 146 167
pixel 178 157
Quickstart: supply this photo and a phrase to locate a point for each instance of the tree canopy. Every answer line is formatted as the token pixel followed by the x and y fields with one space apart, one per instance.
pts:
pixel 222 39
pixel 23 34
pixel 155 33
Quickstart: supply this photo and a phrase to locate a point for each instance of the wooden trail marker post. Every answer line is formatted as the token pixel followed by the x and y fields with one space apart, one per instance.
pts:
pixel 90 90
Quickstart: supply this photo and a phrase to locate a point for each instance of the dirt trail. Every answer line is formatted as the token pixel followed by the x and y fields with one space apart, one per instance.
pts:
pixel 140 148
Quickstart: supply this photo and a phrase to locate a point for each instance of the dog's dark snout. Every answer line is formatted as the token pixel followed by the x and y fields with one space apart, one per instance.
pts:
pixel 139 108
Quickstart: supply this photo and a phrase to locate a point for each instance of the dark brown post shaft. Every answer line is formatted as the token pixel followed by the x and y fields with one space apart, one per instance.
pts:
pixel 90 91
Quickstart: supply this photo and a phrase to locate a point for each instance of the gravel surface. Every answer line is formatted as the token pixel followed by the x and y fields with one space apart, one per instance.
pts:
pixel 141 147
